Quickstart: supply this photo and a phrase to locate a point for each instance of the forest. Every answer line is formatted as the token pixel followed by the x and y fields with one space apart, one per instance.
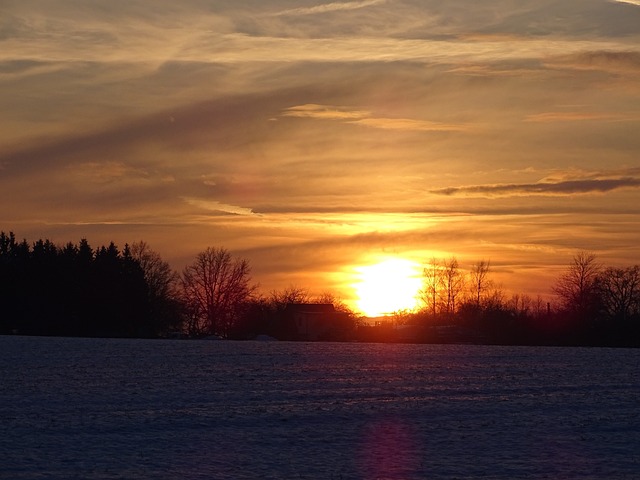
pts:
pixel 76 290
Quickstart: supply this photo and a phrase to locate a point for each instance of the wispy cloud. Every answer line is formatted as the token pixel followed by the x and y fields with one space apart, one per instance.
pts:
pixel 329 7
pixel 410 124
pixel 212 40
pixel 630 2
pixel 106 172
pixel 547 117
pixel 578 173
pixel 616 61
pixel 219 207
pixel 367 119
pixel 325 112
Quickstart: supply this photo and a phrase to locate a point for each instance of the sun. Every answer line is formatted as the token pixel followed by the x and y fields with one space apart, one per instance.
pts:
pixel 388 286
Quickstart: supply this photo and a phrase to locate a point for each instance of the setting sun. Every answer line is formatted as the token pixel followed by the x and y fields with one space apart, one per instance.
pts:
pixel 387 287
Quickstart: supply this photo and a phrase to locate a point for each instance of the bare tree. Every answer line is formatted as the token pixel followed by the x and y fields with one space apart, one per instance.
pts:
pixel 432 285
pixel 577 286
pixel 495 300
pixel 161 279
pixel 453 281
pixel 620 289
pixel 338 304
pixel 162 284
pixel 520 304
pixel 541 308
pixel 215 286
pixel 479 281
pixel 279 299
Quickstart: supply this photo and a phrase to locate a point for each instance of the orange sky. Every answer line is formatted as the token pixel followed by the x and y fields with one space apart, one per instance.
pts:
pixel 314 137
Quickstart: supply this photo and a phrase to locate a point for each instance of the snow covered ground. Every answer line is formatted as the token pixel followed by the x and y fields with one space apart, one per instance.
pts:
pixel 178 409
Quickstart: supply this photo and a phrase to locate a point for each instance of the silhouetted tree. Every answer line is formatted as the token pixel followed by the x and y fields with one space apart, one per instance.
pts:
pixel 215 286
pixel 479 281
pixel 432 285
pixel 520 304
pixel 119 287
pixel 338 304
pixel 14 282
pixel 162 286
pixel 46 289
pixel 620 292
pixel 577 287
pixel 72 290
pixel 453 283
pixel 279 299
pixel 85 252
pixel 7 245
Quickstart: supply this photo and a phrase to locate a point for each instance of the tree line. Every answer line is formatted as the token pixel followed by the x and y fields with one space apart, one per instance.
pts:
pixel 76 290
pixel 591 304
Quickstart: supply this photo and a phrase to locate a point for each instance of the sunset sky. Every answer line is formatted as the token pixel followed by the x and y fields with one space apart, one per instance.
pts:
pixel 315 138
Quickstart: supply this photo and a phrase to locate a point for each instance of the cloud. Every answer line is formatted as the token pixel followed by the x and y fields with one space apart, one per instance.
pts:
pixel 58 31
pixel 170 132
pixel 615 61
pixel 575 173
pixel 324 112
pixel 329 7
pixel 630 2
pixel 366 118
pixel 109 172
pixel 547 117
pixel 215 206
pixel 543 188
pixel 516 68
pixel 212 40
pixel 575 18
pixel 410 124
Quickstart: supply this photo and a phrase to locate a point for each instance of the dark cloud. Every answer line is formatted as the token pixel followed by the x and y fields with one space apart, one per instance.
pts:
pixel 562 188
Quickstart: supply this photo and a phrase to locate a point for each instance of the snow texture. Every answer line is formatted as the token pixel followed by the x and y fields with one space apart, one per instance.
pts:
pixel 181 409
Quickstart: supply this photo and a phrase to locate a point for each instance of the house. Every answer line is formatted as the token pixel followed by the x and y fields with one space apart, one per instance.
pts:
pixel 316 321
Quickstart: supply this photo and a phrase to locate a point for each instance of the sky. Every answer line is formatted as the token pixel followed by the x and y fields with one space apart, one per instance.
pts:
pixel 315 138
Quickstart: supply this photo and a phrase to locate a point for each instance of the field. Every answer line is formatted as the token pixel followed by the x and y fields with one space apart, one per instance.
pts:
pixel 180 409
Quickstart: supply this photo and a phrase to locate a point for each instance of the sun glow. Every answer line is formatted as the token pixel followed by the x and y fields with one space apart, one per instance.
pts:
pixel 388 286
